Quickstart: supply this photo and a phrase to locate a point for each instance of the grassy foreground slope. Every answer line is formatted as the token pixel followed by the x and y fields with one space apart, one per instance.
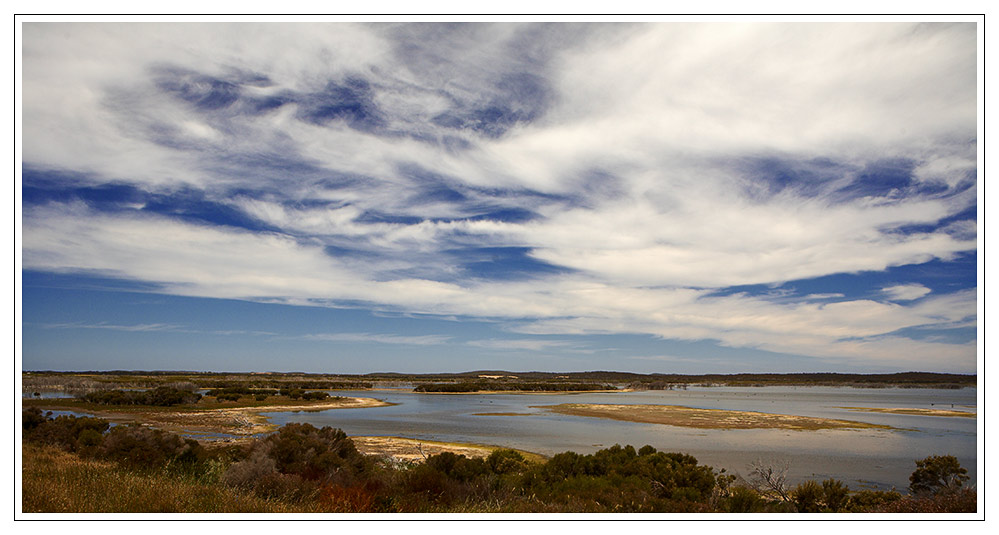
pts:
pixel 56 481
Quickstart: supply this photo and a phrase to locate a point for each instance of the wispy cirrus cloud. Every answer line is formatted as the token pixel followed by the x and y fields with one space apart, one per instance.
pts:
pixel 139 327
pixel 567 179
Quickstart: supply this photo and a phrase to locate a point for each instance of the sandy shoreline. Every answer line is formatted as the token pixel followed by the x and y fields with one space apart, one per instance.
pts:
pixel 229 422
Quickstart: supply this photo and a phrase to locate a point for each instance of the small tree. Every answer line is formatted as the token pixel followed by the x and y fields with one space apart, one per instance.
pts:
pixel 936 474
pixel 770 477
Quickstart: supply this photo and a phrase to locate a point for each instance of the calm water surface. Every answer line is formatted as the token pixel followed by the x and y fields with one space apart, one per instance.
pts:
pixel 862 458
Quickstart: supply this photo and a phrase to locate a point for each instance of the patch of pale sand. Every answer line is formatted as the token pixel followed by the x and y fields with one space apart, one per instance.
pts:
pixel 915 411
pixel 415 451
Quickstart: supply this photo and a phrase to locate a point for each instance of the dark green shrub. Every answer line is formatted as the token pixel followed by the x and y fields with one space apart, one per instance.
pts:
pixel 161 396
pixel 32 417
pixel 807 497
pixel 743 500
pixel 317 454
pixel 65 432
pixel 648 482
pixel 457 467
pixel 835 494
pixel 936 474
pixel 142 447
pixel 506 461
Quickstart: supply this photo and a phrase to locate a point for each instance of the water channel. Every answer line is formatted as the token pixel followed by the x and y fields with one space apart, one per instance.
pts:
pixel 862 458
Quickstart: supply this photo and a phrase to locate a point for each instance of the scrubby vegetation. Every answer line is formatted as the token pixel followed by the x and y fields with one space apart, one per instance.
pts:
pixel 86 465
pixel 161 396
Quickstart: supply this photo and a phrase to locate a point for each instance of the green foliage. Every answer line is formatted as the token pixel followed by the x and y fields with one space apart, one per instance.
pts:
pixel 315 454
pixel 743 500
pixel 936 474
pixel 807 497
pixel 835 494
pixel 866 501
pixel 31 418
pixel 66 432
pixel 620 477
pixel 829 497
pixel 506 462
pixel 142 447
pixel 242 390
pixel 161 396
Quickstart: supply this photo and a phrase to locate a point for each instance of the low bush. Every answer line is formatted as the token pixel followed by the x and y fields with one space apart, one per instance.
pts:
pixel 141 447
pixel 69 433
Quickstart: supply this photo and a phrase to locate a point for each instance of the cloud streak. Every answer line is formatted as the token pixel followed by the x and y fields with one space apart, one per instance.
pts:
pixel 567 179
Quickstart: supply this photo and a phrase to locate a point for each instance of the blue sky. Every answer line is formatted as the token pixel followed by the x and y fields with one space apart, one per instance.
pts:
pixel 419 197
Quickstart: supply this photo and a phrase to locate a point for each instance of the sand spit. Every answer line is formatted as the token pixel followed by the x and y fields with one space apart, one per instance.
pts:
pixel 706 418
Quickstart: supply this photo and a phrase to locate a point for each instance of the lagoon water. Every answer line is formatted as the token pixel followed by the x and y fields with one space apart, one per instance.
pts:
pixel 862 458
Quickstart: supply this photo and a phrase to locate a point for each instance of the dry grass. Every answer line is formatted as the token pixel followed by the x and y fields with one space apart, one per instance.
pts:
pixel 58 482
pixel 706 418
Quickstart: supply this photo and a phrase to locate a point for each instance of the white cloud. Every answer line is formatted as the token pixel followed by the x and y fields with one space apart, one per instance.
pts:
pixel 905 292
pixel 643 149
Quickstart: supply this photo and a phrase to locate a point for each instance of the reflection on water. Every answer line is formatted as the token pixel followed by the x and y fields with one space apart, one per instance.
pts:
pixel 860 457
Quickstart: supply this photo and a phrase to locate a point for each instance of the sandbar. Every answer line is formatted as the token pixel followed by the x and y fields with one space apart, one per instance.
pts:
pixel 916 411
pixel 680 416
